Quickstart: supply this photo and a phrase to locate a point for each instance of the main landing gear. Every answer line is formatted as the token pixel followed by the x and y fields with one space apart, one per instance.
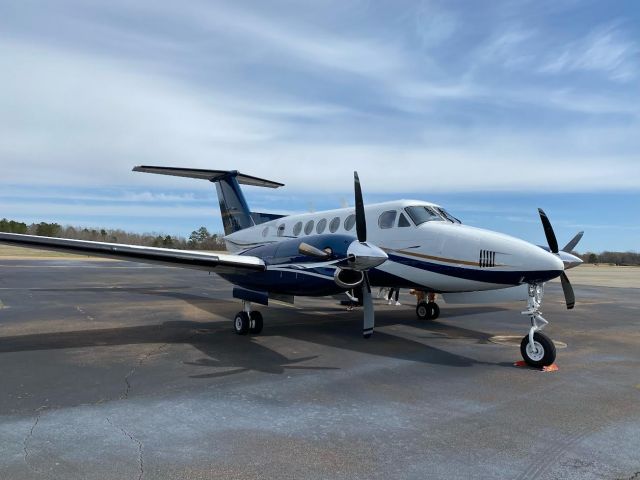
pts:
pixel 428 310
pixel 247 321
pixel 536 348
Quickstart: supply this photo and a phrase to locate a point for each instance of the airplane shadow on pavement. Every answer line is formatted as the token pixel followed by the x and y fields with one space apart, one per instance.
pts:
pixel 236 354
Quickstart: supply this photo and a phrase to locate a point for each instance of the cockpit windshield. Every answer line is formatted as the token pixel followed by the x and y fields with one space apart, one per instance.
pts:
pixel 447 215
pixel 423 214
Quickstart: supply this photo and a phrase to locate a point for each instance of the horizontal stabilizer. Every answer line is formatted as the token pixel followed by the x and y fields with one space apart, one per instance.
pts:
pixel 211 175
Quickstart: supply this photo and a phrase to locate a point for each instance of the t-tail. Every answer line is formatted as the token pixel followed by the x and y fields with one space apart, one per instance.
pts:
pixel 233 206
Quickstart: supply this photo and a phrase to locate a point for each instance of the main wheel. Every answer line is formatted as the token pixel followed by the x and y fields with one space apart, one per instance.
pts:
pixel 241 323
pixel 255 323
pixel 427 311
pixel 541 354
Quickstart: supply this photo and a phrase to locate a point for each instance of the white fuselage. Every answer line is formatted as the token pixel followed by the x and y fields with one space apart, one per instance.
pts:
pixel 436 255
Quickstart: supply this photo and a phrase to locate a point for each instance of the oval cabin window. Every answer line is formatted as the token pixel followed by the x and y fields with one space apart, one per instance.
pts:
pixel 349 222
pixel 308 228
pixel 322 224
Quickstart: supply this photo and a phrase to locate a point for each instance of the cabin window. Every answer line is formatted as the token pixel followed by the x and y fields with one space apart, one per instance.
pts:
pixel 322 224
pixel 387 219
pixel 422 214
pixel 308 228
pixel 297 228
pixel 281 230
pixel 403 222
pixel 349 222
pixel 334 225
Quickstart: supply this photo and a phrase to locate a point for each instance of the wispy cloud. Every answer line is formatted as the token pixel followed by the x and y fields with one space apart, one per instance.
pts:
pixel 606 50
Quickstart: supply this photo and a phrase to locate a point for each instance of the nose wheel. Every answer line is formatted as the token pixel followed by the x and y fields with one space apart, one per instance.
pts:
pixel 247 321
pixel 537 349
pixel 540 353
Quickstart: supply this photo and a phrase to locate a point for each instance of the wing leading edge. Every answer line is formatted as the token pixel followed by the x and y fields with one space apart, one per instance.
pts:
pixel 213 262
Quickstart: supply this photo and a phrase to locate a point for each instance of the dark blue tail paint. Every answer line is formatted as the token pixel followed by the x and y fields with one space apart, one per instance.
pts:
pixel 233 206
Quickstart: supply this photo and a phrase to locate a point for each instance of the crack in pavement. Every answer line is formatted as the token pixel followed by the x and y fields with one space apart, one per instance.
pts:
pixel 25 443
pixel 137 442
pixel 141 360
pixel 144 358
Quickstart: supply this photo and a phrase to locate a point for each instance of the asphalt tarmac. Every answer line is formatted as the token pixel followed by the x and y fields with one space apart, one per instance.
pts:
pixel 114 370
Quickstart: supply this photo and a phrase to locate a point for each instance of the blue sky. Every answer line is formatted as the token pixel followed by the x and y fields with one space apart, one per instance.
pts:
pixel 489 108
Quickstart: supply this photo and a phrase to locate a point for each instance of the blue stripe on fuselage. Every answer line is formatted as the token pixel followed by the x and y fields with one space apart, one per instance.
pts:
pixel 478 275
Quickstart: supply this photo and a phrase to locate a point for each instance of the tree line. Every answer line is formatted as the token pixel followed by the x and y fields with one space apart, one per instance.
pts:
pixel 616 258
pixel 199 239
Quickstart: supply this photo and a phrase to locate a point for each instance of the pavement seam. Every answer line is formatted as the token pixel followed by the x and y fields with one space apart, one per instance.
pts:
pixel 137 442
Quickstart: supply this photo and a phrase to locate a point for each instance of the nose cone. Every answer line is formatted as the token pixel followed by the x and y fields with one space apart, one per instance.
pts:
pixel 363 256
pixel 541 266
pixel 569 260
pixel 553 262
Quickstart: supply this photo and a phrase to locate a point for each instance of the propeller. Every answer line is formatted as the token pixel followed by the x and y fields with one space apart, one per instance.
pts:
pixel 568 248
pixel 361 257
pixel 569 296
pixel 361 230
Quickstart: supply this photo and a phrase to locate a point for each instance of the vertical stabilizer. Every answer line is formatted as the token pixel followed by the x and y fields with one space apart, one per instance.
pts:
pixel 233 206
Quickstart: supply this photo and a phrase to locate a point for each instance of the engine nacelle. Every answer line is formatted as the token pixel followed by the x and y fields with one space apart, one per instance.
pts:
pixel 348 278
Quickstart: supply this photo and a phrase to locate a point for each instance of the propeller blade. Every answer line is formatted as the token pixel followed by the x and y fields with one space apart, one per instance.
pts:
pixel 572 243
pixel 311 251
pixel 367 304
pixel 569 296
pixel 361 223
pixel 548 231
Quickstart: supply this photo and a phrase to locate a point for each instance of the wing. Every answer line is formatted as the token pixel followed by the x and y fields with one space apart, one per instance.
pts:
pixel 212 262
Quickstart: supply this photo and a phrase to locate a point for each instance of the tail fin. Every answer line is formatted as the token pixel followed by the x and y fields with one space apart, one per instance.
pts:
pixel 233 206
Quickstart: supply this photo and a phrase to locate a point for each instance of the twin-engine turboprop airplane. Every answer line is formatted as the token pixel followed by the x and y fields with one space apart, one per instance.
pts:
pixel 402 244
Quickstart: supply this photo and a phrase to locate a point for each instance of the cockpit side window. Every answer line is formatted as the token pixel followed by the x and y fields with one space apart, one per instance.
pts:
pixel 403 222
pixel 422 214
pixel 387 219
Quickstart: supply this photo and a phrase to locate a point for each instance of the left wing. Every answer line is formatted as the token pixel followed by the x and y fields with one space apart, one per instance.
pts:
pixel 213 262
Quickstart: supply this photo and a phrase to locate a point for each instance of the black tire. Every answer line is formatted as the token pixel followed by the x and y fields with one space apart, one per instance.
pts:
pixel 541 358
pixel 256 323
pixel 427 311
pixel 241 323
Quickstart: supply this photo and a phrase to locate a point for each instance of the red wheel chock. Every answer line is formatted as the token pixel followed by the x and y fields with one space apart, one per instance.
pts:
pixel 550 368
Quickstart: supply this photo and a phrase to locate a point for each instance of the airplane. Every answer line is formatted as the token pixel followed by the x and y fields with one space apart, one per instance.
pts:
pixel 402 244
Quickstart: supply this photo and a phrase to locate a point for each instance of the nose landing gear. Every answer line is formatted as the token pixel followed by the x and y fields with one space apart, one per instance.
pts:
pixel 536 348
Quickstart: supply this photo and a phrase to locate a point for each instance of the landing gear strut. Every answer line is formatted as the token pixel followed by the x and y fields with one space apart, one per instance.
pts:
pixel 427 310
pixel 247 320
pixel 536 348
